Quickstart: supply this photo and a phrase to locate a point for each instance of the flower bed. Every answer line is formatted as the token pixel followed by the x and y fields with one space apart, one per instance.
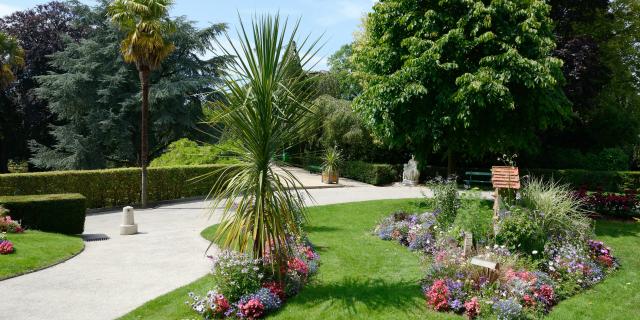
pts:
pixel 609 203
pixel 247 288
pixel 7 225
pixel 538 264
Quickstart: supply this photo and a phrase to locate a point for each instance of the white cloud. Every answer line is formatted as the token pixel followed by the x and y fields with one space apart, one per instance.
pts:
pixel 6 9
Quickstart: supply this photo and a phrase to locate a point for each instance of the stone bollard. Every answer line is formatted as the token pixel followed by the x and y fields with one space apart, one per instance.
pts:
pixel 128 226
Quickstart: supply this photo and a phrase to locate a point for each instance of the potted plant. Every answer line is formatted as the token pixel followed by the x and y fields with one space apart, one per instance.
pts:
pixel 330 165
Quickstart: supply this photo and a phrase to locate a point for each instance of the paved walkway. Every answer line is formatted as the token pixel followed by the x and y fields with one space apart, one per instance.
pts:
pixel 113 277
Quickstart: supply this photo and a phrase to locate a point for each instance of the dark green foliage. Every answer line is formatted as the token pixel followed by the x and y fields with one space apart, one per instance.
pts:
pixel 371 173
pixel 114 187
pixel 341 68
pixel 61 213
pixel 96 97
pixel 41 31
pixel 438 73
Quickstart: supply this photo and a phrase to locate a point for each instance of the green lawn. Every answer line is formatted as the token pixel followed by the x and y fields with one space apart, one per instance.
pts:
pixel 362 277
pixel 36 250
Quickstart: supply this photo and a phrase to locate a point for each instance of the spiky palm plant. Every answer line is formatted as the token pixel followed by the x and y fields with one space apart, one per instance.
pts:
pixel 11 59
pixel 265 107
pixel 147 24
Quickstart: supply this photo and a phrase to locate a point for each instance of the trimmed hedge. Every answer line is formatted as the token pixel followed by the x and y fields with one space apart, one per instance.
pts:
pixel 610 181
pixel 371 173
pixel 61 213
pixel 114 187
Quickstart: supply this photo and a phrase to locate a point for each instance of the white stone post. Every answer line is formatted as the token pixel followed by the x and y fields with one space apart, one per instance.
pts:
pixel 128 226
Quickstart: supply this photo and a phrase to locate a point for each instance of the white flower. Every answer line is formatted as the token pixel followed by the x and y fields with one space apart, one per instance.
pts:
pixel 534 252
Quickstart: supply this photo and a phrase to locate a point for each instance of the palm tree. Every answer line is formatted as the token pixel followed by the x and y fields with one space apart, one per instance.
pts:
pixel 147 24
pixel 11 59
pixel 265 107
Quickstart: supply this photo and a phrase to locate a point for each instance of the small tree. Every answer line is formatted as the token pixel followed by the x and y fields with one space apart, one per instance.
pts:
pixel 147 24
pixel 265 107
pixel 464 76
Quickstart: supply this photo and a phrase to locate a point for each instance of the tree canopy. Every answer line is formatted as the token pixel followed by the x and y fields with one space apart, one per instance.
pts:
pixel 467 76
pixel 96 96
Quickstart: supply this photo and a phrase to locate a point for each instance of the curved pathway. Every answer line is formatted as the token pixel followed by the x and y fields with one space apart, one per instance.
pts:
pixel 113 277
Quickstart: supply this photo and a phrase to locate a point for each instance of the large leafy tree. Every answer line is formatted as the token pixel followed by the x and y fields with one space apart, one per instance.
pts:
pixel 341 67
pixel 147 25
pixel 468 77
pixel 96 96
pixel 40 31
pixel 11 60
pixel 265 107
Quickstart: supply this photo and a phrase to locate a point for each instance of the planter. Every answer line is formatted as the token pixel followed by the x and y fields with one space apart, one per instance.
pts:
pixel 330 177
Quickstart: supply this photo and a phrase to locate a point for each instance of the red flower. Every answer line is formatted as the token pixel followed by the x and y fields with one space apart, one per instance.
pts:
pixel 275 288
pixel 606 260
pixel 309 253
pixel 222 304
pixel 253 309
pixel 437 295
pixel 6 247
pixel 298 266
pixel 529 301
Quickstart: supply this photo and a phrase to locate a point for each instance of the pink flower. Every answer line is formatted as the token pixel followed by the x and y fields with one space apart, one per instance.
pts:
pixel 6 247
pixel 253 309
pixel 222 304
pixel 437 295
pixel 472 308
pixel 275 288
pixel 298 266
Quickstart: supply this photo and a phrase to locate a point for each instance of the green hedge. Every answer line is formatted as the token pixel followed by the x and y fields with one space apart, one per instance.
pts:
pixel 611 181
pixel 61 213
pixel 113 187
pixel 371 173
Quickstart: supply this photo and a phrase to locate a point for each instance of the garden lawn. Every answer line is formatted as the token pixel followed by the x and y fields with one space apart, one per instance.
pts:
pixel 363 277
pixel 36 250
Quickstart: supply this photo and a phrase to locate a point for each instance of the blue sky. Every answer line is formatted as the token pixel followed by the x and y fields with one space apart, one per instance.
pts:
pixel 337 19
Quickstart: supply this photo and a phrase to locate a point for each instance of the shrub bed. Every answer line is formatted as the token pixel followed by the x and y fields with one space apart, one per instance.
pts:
pixel 114 187
pixel 249 288
pixel 610 204
pixel 371 173
pixel 542 245
pixel 60 213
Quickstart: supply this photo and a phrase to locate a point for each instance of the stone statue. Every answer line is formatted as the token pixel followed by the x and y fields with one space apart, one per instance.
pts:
pixel 410 174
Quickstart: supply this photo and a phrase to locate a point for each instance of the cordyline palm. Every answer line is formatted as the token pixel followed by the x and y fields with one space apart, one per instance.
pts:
pixel 265 106
pixel 11 59
pixel 147 24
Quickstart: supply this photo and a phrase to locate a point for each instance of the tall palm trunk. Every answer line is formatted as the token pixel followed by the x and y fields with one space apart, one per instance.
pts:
pixel 144 134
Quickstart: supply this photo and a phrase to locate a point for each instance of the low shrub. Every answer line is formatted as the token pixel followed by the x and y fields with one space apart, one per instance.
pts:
pixel 6 246
pixel 247 288
pixel 371 173
pixel 61 213
pixel 445 200
pixel 114 187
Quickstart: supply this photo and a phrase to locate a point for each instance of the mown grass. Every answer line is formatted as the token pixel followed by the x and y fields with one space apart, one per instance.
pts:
pixel 36 250
pixel 362 277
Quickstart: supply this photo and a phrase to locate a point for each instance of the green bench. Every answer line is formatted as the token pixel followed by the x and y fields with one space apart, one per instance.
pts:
pixel 477 177
pixel 314 169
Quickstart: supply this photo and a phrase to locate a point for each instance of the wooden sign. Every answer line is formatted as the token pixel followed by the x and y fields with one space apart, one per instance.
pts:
pixel 504 177
pixel 468 243
pixel 485 263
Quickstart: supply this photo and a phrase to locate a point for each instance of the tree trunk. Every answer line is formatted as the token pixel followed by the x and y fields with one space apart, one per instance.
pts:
pixel 450 163
pixel 3 155
pixel 144 135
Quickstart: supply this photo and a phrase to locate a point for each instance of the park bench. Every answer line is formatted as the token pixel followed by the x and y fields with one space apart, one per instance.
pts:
pixel 314 169
pixel 477 177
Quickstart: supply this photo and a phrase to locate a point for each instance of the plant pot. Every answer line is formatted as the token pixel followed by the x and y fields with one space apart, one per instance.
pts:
pixel 330 177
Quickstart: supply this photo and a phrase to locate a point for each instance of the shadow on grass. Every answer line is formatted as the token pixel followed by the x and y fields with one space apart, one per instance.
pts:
pixel 320 229
pixel 617 229
pixel 373 294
